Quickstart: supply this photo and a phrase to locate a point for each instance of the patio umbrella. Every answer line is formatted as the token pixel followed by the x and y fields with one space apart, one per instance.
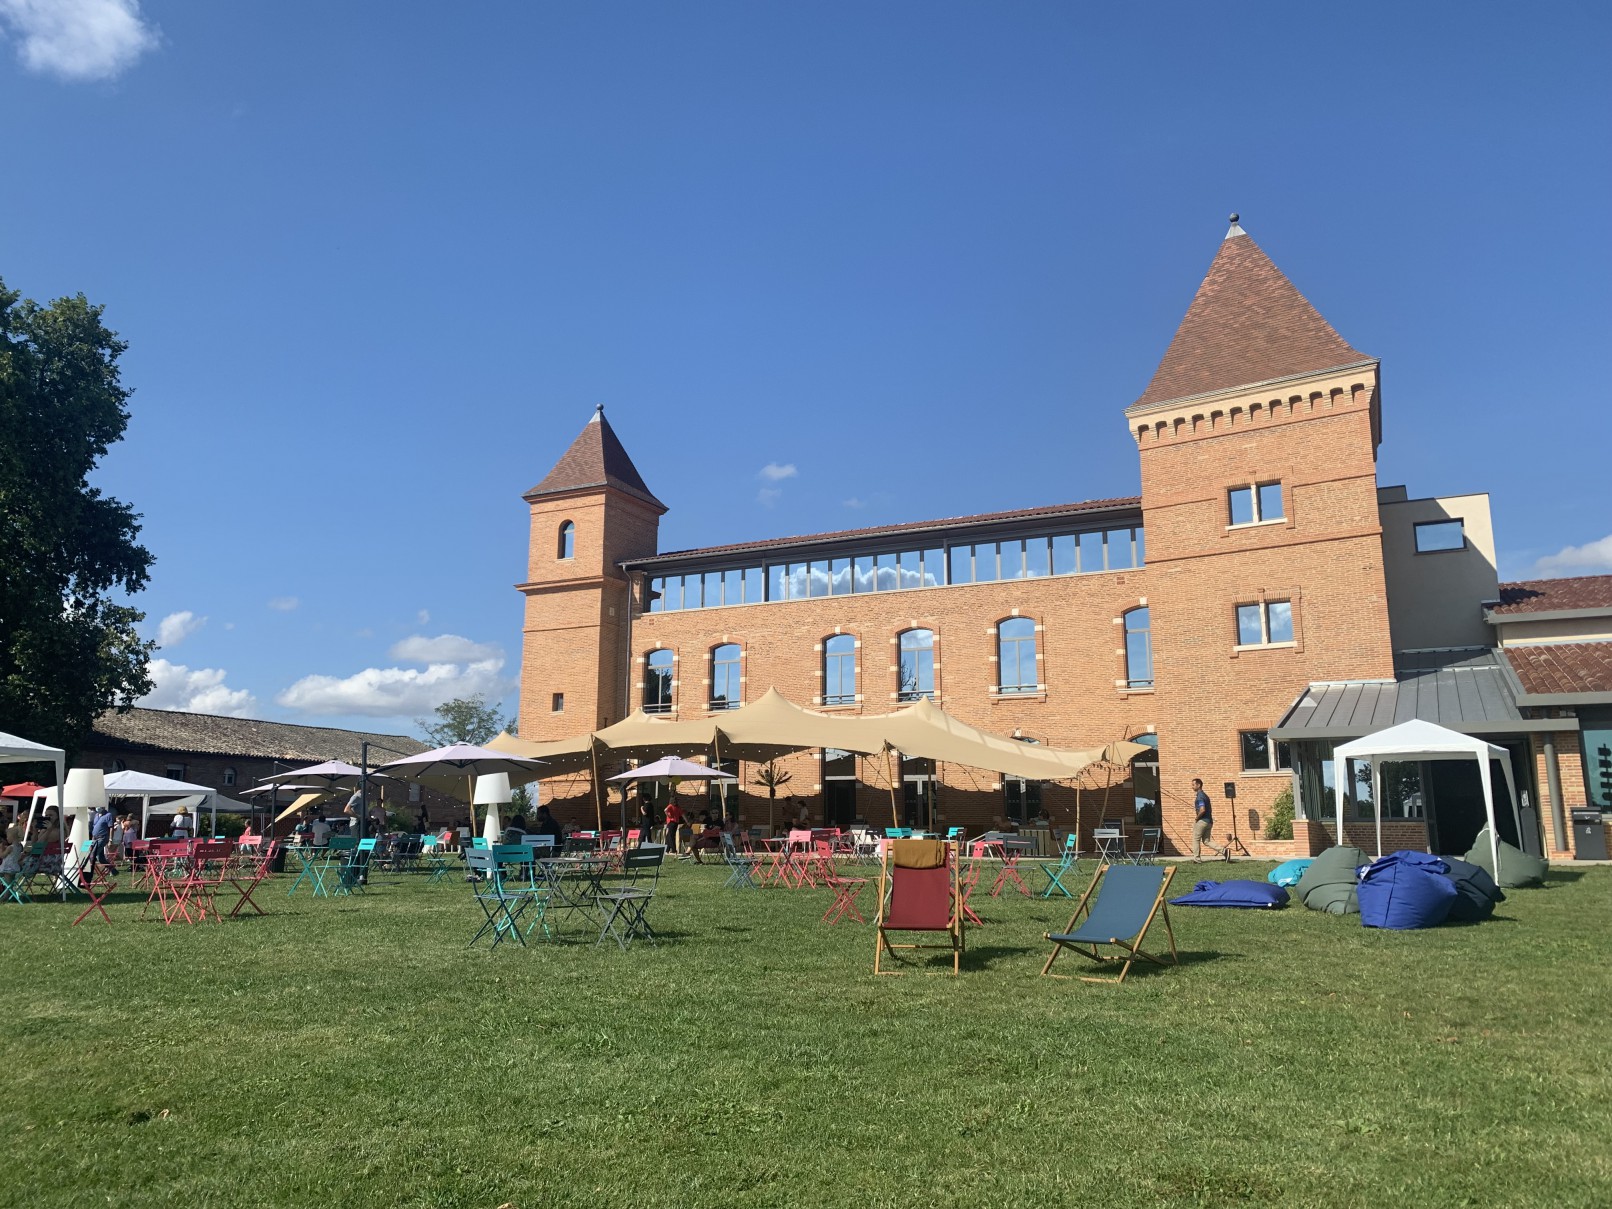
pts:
pixel 668 767
pixel 444 766
pixel 332 774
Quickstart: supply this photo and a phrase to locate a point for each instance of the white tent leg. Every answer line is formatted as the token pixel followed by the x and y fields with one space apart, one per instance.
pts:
pixel 1377 801
pixel 1339 769
pixel 1488 805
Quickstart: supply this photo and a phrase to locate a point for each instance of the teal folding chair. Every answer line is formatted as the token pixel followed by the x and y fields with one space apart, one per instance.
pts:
pixel 316 863
pixel 352 875
pixel 434 858
pixel 503 903
pixel 13 887
pixel 1064 866
pixel 1117 910
pixel 741 866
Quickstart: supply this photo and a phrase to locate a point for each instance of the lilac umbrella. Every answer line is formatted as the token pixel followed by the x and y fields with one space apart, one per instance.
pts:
pixel 445 765
pixel 668 767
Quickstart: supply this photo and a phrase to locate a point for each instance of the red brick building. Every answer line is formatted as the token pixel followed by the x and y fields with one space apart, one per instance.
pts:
pixel 1260 560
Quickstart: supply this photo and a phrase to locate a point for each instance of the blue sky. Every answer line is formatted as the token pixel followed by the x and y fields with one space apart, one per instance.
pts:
pixel 377 266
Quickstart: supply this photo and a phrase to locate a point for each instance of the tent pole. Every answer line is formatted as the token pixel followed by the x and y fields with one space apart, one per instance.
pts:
pixel 598 803
pixel 1377 801
pixel 1488 802
pixel 1340 769
pixel 470 801
pixel 895 817
pixel 1511 787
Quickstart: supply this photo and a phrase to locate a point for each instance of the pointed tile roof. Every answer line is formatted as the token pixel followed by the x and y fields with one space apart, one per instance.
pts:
pixel 596 459
pixel 1247 324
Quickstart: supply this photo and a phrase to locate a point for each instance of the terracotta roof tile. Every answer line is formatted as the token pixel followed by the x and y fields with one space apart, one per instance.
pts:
pixel 1246 324
pixel 214 735
pixel 1555 595
pixel 596 459
pixel 1048 512
pixel 1563 667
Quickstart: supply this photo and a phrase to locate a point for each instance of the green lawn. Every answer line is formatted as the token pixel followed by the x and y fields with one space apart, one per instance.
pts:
pixel 354 1053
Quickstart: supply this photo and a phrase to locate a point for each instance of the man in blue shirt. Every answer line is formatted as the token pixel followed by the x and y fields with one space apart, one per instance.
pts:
pixel 1203 823
pixel 100 835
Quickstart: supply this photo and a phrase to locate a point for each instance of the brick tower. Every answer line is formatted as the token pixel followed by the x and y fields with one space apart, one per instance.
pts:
pixel 590 512
pixel 1258 441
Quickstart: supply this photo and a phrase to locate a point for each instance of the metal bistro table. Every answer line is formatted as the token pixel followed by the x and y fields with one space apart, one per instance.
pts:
pixel 574 883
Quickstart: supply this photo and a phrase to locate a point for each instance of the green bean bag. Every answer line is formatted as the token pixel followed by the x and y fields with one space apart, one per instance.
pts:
pixel 1329 883
pixel 1517 868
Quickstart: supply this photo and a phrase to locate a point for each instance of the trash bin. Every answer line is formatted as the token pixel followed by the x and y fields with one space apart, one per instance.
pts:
pixel 1589 836
pixel 277 865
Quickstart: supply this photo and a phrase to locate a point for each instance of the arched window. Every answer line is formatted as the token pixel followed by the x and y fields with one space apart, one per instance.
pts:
pixel 726 690
pixel 229 776
pixel 839 670
pixel 568 541
pixel 917 664
pixel 658 682
pixel 1015 656
pixel 1138 650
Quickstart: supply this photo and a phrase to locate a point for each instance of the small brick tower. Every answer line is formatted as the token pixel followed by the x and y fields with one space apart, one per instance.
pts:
pixel 1258 443
pixel 590 512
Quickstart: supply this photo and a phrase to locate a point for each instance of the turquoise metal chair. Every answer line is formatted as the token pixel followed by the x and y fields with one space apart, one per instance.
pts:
pixel 433 858
pixel 352 876
pixel 503 902
pixel 1064 866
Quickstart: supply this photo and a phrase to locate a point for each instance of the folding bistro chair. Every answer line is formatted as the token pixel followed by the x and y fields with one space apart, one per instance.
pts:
pixel 919 892
pixel 1064 866
pixel 625 920
pixel 96 890
pixel 1110 845
pixel 246 882
pixel 14 886
pixel 845 891
pixel 502 904
pixel 1120 902
pixel 1147 850
pixel 741 866
pixel 433 858
pixel 353 872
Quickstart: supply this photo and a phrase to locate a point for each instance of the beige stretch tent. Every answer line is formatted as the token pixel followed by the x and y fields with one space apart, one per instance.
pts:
pixel 774 726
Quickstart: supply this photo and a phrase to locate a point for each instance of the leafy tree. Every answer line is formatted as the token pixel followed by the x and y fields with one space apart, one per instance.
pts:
pixel 68 650
pixel 470 719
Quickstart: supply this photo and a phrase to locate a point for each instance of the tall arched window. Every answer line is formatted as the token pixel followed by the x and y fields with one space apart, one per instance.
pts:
pixel 1138 649
pixel 726 690
pixel 1015 656
pixel 658 682
pixel 567 546
pixel 839 670
pixel 917 664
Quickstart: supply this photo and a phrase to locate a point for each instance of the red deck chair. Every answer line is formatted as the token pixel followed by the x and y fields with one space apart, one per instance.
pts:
pixel 919 892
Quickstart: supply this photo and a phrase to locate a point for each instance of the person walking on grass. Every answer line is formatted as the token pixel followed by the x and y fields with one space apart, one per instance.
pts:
pixel 1203 823
pixel 100 836
pixel 674 826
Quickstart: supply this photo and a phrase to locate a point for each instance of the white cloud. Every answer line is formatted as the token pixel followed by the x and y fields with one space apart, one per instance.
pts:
pixel 1592 558
pixel 768 496
pixel 444 648
pixel 385 692
pixel 423 617
pixel 284 604
pixel 176 627
pixel 77 39
pixel 775 473
pixel 853 502
pixel 198 691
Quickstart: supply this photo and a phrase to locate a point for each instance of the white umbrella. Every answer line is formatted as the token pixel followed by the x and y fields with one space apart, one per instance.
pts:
pixel 668 767
pixel 445 765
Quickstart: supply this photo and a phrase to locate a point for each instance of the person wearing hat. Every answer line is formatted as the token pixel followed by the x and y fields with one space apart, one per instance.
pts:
pixel 182 824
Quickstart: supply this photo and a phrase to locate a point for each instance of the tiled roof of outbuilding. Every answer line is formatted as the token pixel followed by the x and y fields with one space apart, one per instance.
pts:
pixel 212 734
pixel 596 459
pixel 1047 512
pixel 1555 595
pixel 1247 324
pixel 1563 667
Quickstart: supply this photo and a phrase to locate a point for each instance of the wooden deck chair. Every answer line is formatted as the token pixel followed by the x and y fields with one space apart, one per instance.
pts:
pixel 1120 903
pixel 919 892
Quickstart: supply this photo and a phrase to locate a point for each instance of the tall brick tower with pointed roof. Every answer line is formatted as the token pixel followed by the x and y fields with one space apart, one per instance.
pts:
pixel 588 514
pixel 1257 436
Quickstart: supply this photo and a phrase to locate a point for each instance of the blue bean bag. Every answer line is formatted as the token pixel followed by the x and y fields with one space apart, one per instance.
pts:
pixel 1406 890
pixel 1289 872
pixel 1232 894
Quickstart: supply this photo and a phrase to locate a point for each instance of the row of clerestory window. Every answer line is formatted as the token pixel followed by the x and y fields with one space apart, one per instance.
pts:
pixel 1017 666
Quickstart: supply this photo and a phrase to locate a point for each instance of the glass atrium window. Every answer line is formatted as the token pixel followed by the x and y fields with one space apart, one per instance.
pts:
pixel 1016 646
pixel 726 692
pixel 1138 649
pixel 839 670
pixel 917 665
pixel 658 682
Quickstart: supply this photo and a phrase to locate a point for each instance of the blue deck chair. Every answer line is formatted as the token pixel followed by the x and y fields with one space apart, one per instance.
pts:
pixel 1117 909
pixel 1065 866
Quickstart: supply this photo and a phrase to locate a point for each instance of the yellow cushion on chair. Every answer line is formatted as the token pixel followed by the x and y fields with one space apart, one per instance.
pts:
pixel 918 854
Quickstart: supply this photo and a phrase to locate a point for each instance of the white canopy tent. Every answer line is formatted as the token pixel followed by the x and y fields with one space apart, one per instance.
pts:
pixel 145 786
pixel 15 750
pixel 1411 743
